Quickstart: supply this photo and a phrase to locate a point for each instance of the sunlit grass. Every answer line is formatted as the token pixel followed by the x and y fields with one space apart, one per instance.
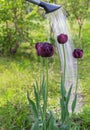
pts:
pixel 18 74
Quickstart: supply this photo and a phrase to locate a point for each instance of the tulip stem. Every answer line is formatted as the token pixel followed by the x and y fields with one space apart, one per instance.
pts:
pixel 46 81
pixel 64 73
pixel 76 80
pixel 45 96
pixel 64 110
pixel 41 71
pixel 47 74
pixel 42 67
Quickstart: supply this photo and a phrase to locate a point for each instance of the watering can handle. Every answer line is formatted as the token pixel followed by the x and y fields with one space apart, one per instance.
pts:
pixel 37 2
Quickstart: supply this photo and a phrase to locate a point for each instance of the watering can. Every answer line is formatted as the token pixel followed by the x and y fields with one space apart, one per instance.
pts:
pixel 47 6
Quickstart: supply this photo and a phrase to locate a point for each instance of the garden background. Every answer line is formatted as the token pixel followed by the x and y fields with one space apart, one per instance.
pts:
pixel 22 25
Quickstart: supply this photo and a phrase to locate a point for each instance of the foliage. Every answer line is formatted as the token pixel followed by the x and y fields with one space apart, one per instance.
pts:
pixel 85 116
pixel 15 116
pixel 16 27
pixel 42 119
pixel 17 73
pixel 78 11
pixel 16 77
pixel 82 119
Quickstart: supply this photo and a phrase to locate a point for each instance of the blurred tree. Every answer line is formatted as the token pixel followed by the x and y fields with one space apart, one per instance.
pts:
pixel 78 10
pixel 12 31
pixel 18 23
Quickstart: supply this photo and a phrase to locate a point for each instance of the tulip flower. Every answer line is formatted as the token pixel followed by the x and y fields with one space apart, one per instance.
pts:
pixel 77 53
pixel 38 47
pixel 62 38
pixel 44 49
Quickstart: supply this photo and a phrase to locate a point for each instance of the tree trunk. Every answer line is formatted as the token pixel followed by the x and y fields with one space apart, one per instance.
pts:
pixel 14 49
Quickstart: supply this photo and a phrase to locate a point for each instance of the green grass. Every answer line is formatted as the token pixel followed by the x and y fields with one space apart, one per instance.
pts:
pixel 18 74
pixel 84 63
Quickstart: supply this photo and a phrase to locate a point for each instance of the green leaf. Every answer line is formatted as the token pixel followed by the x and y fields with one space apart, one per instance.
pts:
pixel 37 94
pixel 68 98
pixel 33 106
pixel 48 121
pixel 35 125
pixel 44 92
pixel 42 81
pixel 65 127
pixel 68 95
pixel 63 110
pixel 63 91
pixel 74 103
pixel 75 128
pixel 52 123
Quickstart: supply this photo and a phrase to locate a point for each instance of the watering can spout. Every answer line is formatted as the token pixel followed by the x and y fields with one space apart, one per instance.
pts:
pixel 47 6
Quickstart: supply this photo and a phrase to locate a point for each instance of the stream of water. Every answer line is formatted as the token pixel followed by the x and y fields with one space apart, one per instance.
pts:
pixel 59 25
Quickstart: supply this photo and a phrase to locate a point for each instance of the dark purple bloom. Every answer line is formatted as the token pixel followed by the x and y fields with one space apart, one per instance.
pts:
pixel 62 38
pixel 44 49
pixel 77 53
pixel 38 47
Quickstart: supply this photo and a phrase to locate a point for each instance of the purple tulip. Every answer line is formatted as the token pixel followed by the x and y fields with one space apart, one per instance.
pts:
pixel 38 45
pixel 44 49
pixel 62 38
pixel 77 53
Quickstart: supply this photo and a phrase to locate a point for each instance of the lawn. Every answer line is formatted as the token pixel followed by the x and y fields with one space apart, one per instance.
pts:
pixel 19 72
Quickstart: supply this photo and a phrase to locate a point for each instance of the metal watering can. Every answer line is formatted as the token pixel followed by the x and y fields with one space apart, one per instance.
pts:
pixel 47 6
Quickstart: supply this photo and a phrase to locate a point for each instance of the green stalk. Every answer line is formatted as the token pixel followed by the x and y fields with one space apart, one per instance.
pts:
pixel 41 70
pixel 75 95
pixel 46 95
pixel 76 80
pixel 44 90
pixel 46 79
pixel 41 89
pixel 64 65
pixel 63 91
pixel 43 67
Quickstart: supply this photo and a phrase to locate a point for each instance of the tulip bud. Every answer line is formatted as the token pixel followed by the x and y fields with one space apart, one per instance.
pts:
pixel 77 53
pixel 62 38
pixel 44 49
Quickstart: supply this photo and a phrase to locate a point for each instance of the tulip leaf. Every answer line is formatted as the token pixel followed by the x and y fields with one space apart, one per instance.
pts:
pixel 48 121
pixel 74 103
pixel 52 123
pixel 33 106
pixel 68 97
pixel 37 95
pixel 65 127
pixel 35 125
pixel 63 91
pixel 63 110
pixel 44 93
